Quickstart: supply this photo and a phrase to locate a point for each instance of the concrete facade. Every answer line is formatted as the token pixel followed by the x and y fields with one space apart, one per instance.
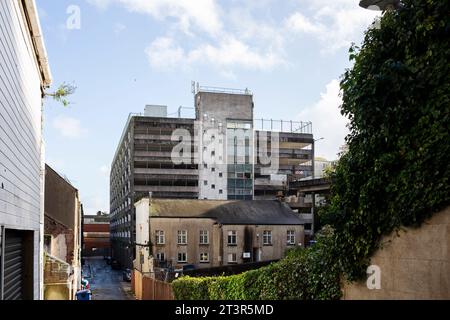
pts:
pixel 222 162
pixel 24 74
pixel 143 164
pixel 415 264
pixel 216 114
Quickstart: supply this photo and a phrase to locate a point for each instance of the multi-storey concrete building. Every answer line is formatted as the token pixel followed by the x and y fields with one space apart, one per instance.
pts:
pixel 143 164
pixel 219 155
pixel 24 74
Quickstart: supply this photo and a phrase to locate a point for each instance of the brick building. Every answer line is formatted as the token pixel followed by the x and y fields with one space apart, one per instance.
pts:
pixel 96 239
pixel 62 238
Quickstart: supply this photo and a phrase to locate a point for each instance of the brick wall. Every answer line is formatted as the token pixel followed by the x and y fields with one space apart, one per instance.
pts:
pixel 55 229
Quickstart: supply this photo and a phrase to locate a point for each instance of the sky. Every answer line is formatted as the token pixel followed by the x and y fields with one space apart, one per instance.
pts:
pixel 124 54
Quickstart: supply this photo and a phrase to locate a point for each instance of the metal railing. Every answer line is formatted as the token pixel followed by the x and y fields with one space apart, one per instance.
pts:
pixel 245 91
pixel 283 126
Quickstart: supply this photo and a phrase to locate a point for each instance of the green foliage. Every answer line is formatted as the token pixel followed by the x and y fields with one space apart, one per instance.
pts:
pixel 397 96
pixel 303 274
pixel 395 172
pixel 61 94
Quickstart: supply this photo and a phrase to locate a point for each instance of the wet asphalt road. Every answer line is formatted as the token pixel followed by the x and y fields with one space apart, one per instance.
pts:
pixel 106 284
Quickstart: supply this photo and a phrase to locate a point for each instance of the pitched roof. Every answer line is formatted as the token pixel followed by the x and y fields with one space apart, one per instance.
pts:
pixel 226 212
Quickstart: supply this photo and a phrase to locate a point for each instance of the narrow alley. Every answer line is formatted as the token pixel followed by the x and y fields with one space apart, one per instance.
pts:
pixel 106 283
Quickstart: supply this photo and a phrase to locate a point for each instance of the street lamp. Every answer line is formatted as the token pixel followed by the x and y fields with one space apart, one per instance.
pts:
pixel 381 5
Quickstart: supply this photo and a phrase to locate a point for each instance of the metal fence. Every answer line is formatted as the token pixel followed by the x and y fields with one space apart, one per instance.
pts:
pixel 283 126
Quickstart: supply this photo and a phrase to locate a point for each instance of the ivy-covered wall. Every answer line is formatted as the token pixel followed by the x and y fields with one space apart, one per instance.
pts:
pixel 395 173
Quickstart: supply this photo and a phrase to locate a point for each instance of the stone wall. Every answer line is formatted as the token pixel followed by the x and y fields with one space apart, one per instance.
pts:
pixel 415 264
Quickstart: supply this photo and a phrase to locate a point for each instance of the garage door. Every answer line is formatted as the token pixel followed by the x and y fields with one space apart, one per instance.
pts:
pixel 13 267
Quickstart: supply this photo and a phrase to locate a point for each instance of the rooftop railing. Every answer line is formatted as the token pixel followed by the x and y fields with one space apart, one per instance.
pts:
pixel 283 126
pixel 224 90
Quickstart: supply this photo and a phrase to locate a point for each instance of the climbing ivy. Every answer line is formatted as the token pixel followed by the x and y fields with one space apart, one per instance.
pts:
pixel 397 97
pixel 395 173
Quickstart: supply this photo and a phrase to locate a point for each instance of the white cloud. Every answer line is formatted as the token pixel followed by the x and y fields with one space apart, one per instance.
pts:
pixel 299 23
pixel 336 24
pixel 164 54
pixel 327 121
pixel 228 53
pixel 69 127
pixel 203 14
pixel 119 27
pixel 101 4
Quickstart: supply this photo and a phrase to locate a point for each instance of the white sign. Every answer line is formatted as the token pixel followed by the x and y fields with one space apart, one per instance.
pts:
pixel 246 255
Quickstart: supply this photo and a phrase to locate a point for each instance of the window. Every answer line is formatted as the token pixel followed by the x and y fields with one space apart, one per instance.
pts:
pixel 182 237
pixel 232 258
pixel 205 183
pixel 160 256
pixel 290 237
pixel 220 174
pixel 213 169
pixel 48 243
pixel 204 237
pixel 232 237
pixel 220 191
pixel 182 257
pixel 204 257
pixel 205 165
pixel 160 239
pixel 213 186
pixel 267 237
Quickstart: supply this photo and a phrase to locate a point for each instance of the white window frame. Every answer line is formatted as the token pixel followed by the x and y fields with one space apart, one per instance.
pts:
pixel 202 257
pixel 182 235
pixel 204 237
pixel 232 257
pixel 290 237
pixel 160 237
pixel 158 256
pixel 232 234
pixel 185 257
pixel 267 237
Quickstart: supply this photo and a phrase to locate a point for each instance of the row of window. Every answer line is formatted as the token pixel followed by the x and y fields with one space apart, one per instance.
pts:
pixel 231 237
pixel 204 257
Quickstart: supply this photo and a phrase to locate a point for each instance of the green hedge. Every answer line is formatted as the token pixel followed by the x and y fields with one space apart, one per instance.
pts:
pixel 303 274
pixel 395 173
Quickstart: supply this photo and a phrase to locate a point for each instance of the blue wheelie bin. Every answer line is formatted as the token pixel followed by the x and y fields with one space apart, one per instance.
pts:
pixel 83 295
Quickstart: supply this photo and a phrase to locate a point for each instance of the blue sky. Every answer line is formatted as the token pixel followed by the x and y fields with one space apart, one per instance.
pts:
pixel 128 53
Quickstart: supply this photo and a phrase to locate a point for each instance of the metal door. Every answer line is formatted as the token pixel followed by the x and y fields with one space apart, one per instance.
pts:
pixel 12 265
